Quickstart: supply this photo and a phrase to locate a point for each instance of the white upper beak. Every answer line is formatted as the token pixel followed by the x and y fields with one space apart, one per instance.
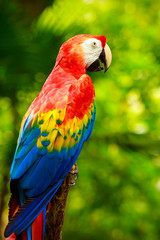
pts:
pixel 108 55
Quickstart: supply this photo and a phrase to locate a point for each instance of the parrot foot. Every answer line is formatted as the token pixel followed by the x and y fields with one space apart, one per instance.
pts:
pixel 74 173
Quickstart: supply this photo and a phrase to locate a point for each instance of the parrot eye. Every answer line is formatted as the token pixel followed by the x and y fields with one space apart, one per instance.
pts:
pixel 94 44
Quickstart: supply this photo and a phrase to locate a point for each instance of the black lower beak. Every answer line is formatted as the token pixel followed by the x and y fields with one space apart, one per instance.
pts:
pixel 96 66
pixel 102 57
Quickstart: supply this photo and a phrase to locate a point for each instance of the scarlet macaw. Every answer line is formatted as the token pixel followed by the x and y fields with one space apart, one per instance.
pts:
pixel 52 134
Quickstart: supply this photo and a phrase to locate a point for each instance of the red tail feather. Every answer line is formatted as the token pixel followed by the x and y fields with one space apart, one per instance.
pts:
pixel 37 227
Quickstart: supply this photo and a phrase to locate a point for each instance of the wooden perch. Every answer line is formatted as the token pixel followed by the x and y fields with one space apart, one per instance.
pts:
pixel 55 215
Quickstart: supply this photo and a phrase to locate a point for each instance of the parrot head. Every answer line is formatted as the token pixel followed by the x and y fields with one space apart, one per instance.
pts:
pixel 83 53
pixel 95 49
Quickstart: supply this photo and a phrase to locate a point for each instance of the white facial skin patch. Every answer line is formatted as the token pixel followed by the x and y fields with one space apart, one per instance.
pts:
pixel 92 49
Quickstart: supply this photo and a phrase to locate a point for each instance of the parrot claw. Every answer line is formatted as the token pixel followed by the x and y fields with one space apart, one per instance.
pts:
pixel 72 182
pixel 74 172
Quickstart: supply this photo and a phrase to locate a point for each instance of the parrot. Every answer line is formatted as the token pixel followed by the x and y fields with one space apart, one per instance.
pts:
pixel 52 133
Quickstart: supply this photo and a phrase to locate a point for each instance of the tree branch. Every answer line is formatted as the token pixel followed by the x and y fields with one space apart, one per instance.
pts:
pixel 55 215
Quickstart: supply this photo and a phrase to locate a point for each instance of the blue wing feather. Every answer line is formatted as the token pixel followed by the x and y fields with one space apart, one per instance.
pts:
pixel 31 136
pixel 39 176
pixel 24 163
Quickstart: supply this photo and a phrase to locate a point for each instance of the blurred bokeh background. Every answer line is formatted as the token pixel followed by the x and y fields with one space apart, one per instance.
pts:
pixel 117 195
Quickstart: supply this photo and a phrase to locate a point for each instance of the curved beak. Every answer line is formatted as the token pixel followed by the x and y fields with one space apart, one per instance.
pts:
pixel 105 57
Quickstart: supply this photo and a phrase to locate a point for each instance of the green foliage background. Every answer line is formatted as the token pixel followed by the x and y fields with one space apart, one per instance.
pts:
pixel 117 195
